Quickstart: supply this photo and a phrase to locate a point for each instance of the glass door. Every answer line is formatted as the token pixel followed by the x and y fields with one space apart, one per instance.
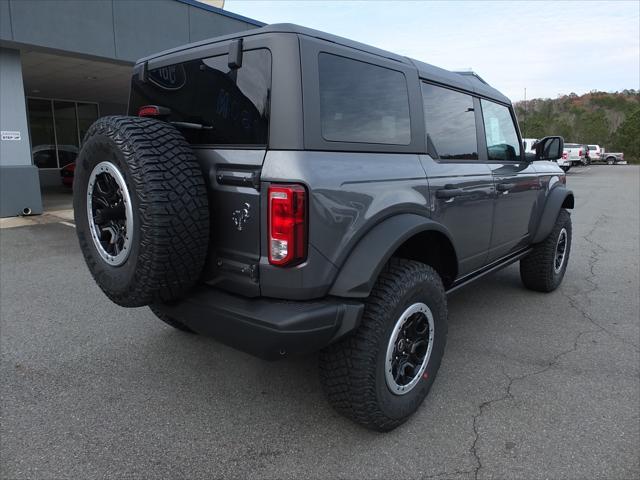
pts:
pixel 66 123
pixel 57 128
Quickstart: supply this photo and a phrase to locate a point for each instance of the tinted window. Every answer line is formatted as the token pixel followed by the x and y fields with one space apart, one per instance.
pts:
pixel 231 105
pixel 360 102
pixel 502 139
pixel 450 122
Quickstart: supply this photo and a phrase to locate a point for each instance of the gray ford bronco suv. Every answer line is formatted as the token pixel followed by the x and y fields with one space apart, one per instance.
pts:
pixel 288 191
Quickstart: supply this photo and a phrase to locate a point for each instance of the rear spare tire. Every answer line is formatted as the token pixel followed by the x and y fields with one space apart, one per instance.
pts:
pixel 141 210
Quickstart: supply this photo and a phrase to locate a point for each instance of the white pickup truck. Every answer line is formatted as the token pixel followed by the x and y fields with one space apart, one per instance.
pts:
pixel 563 162
pixel 574 154
pixel 611 157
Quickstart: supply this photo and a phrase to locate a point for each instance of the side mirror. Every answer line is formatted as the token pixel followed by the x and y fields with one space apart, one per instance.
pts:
pixel 549 148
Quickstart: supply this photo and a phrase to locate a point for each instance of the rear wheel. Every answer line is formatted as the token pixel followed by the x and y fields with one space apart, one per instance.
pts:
pixel 544 268
pixel 141 210
pixel 611 161
pixel 379 375
pixel 565 168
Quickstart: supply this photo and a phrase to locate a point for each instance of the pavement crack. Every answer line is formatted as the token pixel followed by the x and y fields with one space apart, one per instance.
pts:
pixel 594 257
pixel 481 409
pixel 448 474
pixel 508 395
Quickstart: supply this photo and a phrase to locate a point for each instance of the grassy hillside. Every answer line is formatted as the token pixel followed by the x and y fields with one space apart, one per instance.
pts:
pixel 611 120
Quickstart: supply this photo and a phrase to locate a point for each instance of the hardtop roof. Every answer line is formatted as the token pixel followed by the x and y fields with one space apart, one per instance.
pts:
pixel 468 81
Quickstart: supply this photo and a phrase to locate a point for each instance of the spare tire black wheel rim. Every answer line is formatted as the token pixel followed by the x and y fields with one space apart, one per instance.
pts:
pixel 409 349
pixel 110 213
pixel 561 250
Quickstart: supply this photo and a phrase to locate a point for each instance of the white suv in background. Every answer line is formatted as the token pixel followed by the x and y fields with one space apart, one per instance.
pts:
pixel 528 143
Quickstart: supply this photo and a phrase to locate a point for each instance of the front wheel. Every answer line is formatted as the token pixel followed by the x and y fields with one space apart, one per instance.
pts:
pixel 544 268
pixel 380 374
pixel 565 168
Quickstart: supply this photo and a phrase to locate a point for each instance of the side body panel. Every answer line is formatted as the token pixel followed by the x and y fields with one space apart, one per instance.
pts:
pixel 516 211
pixel 468 217
pixel 349 194
pixel 551 196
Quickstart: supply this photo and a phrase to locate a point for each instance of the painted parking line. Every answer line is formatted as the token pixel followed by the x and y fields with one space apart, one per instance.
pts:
pixel 58 216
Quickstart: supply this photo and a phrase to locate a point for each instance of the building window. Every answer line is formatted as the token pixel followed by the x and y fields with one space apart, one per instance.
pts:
pixel 57 128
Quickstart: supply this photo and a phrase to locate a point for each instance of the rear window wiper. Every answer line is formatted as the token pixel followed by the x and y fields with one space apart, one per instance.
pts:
pixel 191 126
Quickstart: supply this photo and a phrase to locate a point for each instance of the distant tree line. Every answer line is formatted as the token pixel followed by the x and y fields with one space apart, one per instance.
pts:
pixel 611 120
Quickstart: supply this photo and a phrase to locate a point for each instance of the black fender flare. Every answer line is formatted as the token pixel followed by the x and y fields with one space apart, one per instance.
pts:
pixel 559 197
pixel 364 263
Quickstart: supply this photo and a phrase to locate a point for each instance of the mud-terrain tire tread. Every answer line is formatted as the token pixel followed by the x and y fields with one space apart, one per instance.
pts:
pixel 537 268
pixel 347 367
pixel 172 208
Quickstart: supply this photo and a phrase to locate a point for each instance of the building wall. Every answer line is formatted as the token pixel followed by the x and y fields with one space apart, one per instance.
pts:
pixel 119 30
pixel 111 31
pixel 13 111
pixel 18 177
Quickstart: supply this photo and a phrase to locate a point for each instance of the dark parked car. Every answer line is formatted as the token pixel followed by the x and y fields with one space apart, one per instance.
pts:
pixel 288 191
pixel 67 173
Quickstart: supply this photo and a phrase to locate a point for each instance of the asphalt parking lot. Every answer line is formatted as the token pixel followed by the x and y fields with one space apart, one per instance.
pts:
pixel 532 385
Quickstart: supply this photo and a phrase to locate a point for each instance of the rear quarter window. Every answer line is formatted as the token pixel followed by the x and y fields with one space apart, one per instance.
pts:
pixel 362 103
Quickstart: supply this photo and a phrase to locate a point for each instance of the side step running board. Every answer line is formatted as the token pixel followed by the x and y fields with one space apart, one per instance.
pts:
pixel 492 267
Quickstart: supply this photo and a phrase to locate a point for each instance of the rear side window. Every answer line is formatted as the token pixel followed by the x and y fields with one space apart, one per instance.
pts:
pixel 450 122
pixel 231 105
pixel 502 139
pixel 363 103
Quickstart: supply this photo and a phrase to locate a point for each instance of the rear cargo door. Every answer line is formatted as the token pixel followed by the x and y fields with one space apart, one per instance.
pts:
pixel 222 109
pixel 233 178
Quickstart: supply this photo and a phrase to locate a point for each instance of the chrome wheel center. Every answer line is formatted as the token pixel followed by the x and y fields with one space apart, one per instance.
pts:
pixel 561 250
pixel 409 349
pixel 110 213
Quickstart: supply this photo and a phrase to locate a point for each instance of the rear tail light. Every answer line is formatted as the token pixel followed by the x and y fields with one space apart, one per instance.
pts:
pixel 287 224
pixel 580 152
pixel 153 111
pixel 564 155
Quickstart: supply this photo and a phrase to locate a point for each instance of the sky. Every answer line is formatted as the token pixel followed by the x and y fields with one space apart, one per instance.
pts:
pixel 549 48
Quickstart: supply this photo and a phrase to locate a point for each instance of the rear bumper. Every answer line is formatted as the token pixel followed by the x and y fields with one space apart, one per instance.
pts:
pixel 265 327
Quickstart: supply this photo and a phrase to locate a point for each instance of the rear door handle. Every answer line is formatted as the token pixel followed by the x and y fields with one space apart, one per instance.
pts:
pixel 451 192
pixel 505 187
